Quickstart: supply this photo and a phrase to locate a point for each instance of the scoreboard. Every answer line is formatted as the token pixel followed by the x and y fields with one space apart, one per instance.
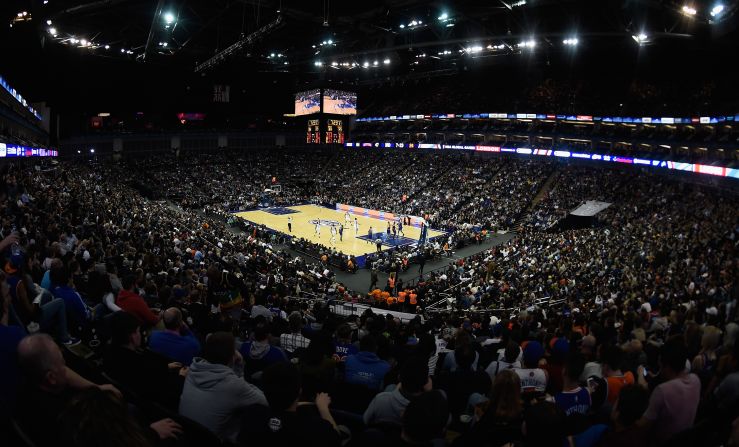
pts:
pixel 334 131
pixel 313 136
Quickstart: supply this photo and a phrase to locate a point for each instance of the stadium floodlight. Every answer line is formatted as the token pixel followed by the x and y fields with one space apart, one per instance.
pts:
pixel 48 22
pixel 444 16
pixel 528 44
pixel 571 41
pixel 107 47
pixel 402 26
pixel 168 18
pixel 375 63
pixel 475 49
pixel 640 38
pixel 83 42
pixel 334 63
pixel 330 42
pixel 272 55
pixel 386 62
pixel 689 10
pixel 716 10
pixel 52 31
pixel 123 50
pixel 318 64
pixel 79 151
pixel 414 23
pixel 92 150
pixel 365 64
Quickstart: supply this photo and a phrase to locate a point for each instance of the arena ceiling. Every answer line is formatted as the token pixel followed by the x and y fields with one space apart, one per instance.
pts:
pixel 308 36
pixel 72 44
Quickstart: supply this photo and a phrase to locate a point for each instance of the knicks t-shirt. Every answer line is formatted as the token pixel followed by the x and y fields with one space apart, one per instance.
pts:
pixel 341 351
pixel 572 402
pixel 533 380
pixel 615 383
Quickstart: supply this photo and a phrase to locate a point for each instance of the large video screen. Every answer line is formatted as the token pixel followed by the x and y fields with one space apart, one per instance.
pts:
pixel 339 102
pixel 308 102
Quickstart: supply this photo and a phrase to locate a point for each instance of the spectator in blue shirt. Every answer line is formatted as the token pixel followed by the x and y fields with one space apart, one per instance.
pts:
pixel 343 346
pixel 259 354
pixel 77 311
pixel 573 399
pixel 176 341
pixel 10 337
pixel 365 367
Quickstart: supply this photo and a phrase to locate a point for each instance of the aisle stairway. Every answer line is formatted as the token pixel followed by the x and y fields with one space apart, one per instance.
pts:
pixel 518 225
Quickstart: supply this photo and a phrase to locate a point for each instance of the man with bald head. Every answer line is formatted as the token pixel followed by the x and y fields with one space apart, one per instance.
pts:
pixel 176 341
pixel 50 384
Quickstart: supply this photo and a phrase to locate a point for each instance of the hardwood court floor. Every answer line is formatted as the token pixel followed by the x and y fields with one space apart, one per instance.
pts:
pixel 303 223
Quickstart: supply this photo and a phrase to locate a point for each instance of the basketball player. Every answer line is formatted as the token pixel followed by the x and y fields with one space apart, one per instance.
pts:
pixel 347 219
pixel 400 227
pixel 318 229
pixel 356 226
pixel 289 224
pixel 369 235
pixel 341 233
pixel 333 235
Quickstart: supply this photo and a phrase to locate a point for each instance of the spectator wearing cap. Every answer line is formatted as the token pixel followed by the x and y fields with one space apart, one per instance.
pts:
pixel 213 395
pixel 499 418
pixel 259 354
pixel 674 403
pixel 294 340
pixel 560 347
pixel 533 379
pixel 365 367
pixel 133 303
pixel 588 347
pixel 176 342
pixel 388 407
pixel 613 358
pixel 465 381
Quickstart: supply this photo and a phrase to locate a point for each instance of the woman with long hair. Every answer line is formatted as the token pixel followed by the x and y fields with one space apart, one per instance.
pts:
pixel 497 420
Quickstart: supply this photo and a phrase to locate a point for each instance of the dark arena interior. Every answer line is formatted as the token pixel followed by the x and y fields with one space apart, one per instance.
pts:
pixel 369 223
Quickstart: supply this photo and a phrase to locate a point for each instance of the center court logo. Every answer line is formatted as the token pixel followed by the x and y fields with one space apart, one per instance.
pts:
pixel 325 222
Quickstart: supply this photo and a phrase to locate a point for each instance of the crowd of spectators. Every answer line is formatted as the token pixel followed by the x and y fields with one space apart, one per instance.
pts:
pixel 129 321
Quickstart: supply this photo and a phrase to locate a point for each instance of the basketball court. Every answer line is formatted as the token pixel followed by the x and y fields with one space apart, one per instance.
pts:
pixel 305 217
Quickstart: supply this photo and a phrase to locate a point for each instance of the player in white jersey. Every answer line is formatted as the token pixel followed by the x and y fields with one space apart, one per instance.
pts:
pixel 347 219
pixel 318 229
pixel 333 235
